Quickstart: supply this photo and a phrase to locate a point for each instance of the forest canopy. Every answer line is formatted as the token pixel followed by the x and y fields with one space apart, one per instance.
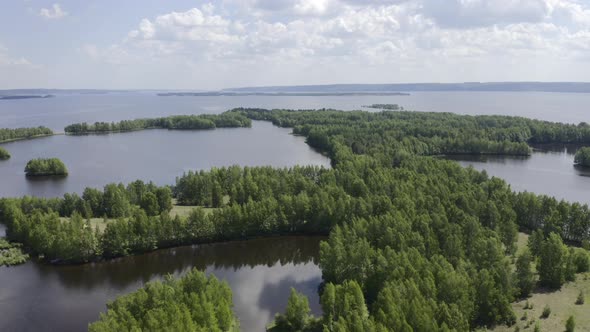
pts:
pixel 193 122
pixel 194 302
pixel 45 166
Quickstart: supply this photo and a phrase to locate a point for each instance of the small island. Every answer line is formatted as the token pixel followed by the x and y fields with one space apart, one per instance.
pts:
pixel 389 107
pixel 4 155
pixel 582 157
pixel 46 167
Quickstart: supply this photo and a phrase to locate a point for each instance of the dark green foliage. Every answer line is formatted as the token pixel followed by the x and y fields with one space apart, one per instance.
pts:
pixel 570 324
pixel 4 155
pixel 43 167
pixel 195 122
pixel 7 134
pixel 192 303
pixel 582 157
pixel 525 279
pixel 546 312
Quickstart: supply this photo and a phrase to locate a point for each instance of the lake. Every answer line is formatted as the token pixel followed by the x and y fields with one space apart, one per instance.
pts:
pixel 156 155
pixel 548 171
pixel 261 272
pixel 65 109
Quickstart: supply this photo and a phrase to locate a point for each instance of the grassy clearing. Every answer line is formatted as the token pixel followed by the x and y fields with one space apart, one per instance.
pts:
pixel 562 304
pixel 184 211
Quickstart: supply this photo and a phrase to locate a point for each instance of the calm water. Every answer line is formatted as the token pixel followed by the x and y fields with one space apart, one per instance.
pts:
pixel 38 297
pixel 550 172
pixel 151 155
pixel 58 112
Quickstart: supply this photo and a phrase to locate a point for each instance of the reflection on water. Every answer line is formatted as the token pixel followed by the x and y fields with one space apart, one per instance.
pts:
pixel 549 170
pixel 36 296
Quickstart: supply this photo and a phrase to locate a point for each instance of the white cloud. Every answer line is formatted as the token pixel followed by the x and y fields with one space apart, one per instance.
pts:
pixel 421 40
pixel 53 13
pixel 6 60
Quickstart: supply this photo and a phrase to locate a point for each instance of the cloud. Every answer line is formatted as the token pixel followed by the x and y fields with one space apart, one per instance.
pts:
pixel 324 40
pixel 53 13
pixel 6 60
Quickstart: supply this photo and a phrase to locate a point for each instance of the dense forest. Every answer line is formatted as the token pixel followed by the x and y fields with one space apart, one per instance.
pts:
pixel 415 243
pixel 4 154
pixel 7 134
pixel 195 122
pixel 45 167
pixel 194 302
pixel 582 157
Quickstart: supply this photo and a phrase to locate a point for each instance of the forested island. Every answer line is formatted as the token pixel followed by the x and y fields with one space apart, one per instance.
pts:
pixel 4 154
pixel 415 242
pixel 46 167
pixel 8 135
pixel 389 107
pixel 582 157
pixel 192 122
pixel 280 94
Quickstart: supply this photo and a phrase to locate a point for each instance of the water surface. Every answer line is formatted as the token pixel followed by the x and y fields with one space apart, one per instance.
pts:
pixel 550 171
pixel 65 109
pixel 156 155
pixel 261 272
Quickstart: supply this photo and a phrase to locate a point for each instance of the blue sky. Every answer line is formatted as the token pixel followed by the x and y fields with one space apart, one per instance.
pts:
pixel 182 44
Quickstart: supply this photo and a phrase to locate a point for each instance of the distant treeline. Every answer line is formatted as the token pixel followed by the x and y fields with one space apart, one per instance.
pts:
pixel 204 121
pixel 7 134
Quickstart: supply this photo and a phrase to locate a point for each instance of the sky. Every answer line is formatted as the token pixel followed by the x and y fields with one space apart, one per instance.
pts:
pixel 207 45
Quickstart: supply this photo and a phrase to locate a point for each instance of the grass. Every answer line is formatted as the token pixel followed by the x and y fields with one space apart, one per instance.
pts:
pixel 562 303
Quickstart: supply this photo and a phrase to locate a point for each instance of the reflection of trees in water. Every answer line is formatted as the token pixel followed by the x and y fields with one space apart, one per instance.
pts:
pixel 274 296
pixel 122 272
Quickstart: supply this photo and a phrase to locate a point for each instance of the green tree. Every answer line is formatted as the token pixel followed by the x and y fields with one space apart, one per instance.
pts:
pixel 552 262
pixel 296 314
pixel 525 279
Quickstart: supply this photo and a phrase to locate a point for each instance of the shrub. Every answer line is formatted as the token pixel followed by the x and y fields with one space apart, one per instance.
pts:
pixel 570 325
pixel 580 299
pixel 546 312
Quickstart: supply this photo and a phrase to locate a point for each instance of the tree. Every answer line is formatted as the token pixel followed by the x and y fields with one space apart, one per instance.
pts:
pixel 525 279
pixel 552 262
pixel 296 314
pixel 149 203
pixel 582 157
